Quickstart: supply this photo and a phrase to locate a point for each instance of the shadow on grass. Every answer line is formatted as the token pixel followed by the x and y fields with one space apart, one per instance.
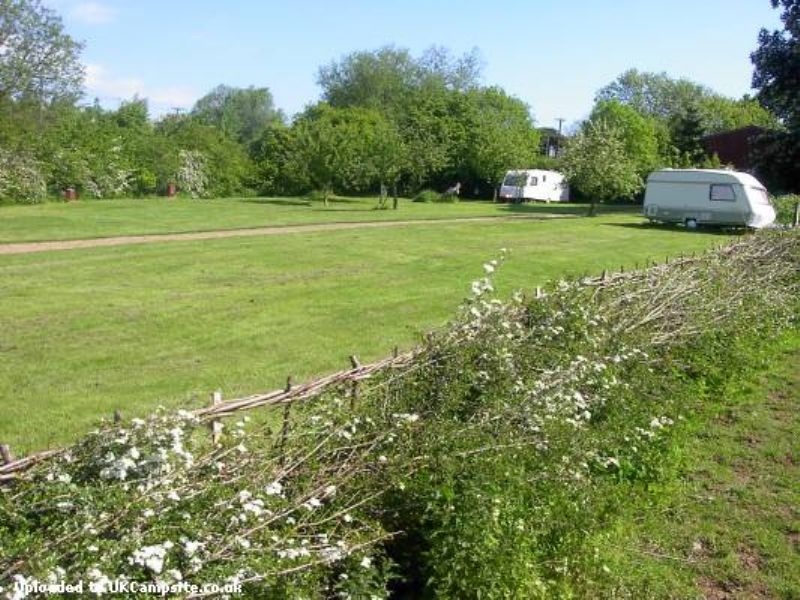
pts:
pixel 707 229
pixel 568 208
pixel 277 201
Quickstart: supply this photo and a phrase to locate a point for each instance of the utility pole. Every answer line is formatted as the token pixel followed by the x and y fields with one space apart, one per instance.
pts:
pixel 558 139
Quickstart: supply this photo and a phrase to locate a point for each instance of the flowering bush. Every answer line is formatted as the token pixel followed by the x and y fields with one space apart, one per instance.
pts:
pixel 21 179
pixel 191 175
pixel 480 469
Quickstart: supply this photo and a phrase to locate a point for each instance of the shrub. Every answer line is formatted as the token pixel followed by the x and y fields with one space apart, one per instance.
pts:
pixel 784 206
pixel 427 196
pixel 191 176
pixel 21 179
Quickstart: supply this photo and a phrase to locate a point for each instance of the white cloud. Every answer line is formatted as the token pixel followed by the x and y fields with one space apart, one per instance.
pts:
pixel 111 90
pixel 175 96
pixel 93 13
pixel 98 82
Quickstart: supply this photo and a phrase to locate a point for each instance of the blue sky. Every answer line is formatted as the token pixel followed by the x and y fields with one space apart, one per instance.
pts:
pixel 553 55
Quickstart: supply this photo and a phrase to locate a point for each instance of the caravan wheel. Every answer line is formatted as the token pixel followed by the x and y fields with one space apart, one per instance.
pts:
pixel 691 223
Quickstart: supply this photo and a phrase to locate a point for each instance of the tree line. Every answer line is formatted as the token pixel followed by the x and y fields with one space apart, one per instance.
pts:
pixel 386 120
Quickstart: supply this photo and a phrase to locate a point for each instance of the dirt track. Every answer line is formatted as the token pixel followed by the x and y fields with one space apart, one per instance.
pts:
pixel 125 240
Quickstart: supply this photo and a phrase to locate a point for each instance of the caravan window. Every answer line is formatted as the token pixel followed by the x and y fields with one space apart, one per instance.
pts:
pixel 515 179
pixel 722 192
pixel 534 180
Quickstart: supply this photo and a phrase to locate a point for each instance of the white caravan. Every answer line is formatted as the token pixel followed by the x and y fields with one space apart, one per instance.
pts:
pixel 534 184
pixel 707 197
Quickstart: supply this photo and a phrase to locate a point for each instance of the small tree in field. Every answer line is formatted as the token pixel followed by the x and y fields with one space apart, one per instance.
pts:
pixel 595 162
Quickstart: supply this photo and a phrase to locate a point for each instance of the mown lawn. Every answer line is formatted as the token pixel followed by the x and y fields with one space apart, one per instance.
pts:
pixel 105 218
pixel 85 332
pixel 730 526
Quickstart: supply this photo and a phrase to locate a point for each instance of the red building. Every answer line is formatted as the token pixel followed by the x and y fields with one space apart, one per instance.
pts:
pixel 733 147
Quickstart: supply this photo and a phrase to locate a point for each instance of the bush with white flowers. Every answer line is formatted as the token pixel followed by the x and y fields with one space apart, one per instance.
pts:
pixel 192 174
pixel 21 178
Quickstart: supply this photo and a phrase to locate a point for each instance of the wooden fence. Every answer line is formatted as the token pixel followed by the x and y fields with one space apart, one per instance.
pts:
pixel 10 467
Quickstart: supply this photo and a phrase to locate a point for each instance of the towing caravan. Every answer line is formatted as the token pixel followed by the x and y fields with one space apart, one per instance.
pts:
pixel 707 197
pixel 534 184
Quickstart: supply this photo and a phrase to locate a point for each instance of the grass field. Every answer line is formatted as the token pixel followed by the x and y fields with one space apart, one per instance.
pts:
pixel 731 528
pixel 104 218
pixel 85 332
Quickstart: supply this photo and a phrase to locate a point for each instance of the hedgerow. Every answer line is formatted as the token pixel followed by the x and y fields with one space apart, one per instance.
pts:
pixel 482 468
pixel 785 207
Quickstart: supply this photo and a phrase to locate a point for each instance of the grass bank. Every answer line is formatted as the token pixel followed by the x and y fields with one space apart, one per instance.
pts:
pixel 728 525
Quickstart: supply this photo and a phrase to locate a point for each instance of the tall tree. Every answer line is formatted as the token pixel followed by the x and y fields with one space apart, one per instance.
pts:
pixel 653 94
pixel 240 113
pixel 777 78
pixel 382 79
pixel 339 147
pixel 377 79
pixel 501 135
pixel 638 132
pixel 687 132
pixel 595 162
pixel 39 62
pixel 718 113
pixel 777 66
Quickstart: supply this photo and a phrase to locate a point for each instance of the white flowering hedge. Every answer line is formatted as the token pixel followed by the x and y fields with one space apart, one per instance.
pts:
pixel 21 178
pixel 481 469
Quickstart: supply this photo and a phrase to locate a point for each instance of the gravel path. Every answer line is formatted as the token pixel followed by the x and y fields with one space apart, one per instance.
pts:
pixel 125 240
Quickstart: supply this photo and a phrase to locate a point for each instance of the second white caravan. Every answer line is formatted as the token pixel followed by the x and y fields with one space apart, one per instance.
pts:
pixel 707 197
pixel 534 184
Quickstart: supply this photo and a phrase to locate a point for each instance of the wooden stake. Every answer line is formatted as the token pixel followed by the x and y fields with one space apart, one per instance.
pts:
pixel 285 429
pixel 354 386
pixel 5 454
pixel 797 215
pixel 216 424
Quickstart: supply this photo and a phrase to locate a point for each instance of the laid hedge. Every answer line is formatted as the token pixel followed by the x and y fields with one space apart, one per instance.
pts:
pixel 478 471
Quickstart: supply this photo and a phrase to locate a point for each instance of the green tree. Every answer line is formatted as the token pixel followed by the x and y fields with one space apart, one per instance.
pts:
pixel 653 94
pixel 669 99
pixel 777 64
pixel 687 132
pixel 278 167
pixel 501 135
pixel 639 133
pixel 240 113
pixel 227 167
pixel 38 61
pixel 595 163
pixel 386 155
pixel 337 146
pixel 378 79
pixel 383 79
pixel 434 127
pixel 718 113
